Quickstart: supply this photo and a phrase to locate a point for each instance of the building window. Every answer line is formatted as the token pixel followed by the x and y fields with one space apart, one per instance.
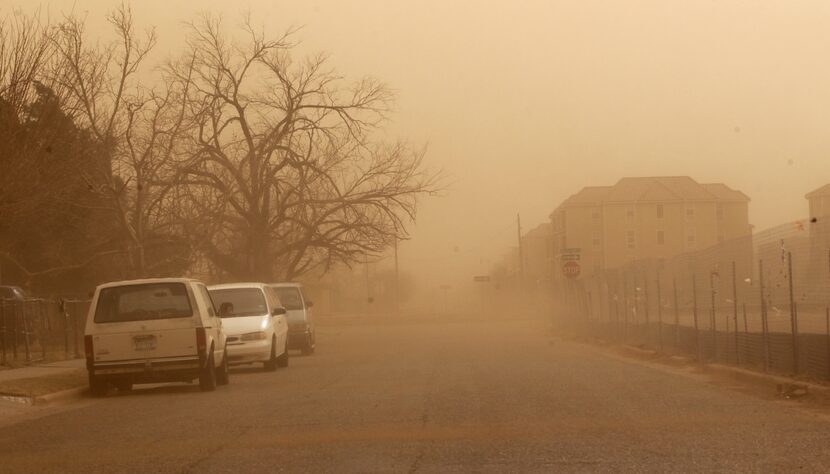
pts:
pixel 629 213
pixel 630 239
pixel 596 240
pixel 595 215
pixel 691 238
pixel 661 237
pixel 690 212
pixel 659 211
pixel 720 212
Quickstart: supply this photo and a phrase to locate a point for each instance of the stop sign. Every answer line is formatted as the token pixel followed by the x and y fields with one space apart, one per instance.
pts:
pixel 571 269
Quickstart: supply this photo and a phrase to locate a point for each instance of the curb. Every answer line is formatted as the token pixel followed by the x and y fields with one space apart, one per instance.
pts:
pixel 785 386
pixel 63 395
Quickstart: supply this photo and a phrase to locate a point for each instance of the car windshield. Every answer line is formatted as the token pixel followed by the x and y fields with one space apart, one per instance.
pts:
pixel 238 302
pixel 143 302
pixel 290 297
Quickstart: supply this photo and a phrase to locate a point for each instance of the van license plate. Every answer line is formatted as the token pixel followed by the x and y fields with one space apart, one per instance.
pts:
pixel 144 343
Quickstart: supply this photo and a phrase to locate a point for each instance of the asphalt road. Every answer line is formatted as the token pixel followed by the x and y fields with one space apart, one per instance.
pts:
pixel 454 397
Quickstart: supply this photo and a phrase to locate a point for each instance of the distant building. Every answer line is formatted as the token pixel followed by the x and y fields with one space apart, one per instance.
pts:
pixel 537 252
pixel 817 276
pixel 646 218
pixel 819 201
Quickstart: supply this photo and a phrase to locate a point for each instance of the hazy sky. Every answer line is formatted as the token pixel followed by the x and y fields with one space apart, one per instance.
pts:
pixel 525 102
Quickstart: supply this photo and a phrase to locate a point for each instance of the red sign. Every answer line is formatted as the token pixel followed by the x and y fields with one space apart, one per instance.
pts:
pixel 571 269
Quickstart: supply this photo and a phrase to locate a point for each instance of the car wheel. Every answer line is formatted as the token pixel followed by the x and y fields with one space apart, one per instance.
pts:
pixel 97 386
pixel 223 375
pixel 282 360
pixel 271 364
pixel 207 376
pixel 308 348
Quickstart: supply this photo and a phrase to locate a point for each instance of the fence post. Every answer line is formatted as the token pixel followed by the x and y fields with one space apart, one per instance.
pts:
pixel 676 315
pixel 62 311
pixel 793 312
pixel 625 309
pixel 26 330
pixel 646 308
pixel 713 320
pixel 15 312
pixel 827 338
pixel 74 317
pixel 659 312
pixel 764 322
pixel 636 308
pixel 694 314
pixel 3 330
pixel 735 311
pixel 44 318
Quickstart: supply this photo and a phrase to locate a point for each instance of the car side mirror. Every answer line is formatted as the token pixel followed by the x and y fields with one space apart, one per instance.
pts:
pixel 278 311
pixel 309 304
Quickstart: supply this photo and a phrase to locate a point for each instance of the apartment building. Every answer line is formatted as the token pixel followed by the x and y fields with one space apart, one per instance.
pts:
pixel 819 201
pixel 606 227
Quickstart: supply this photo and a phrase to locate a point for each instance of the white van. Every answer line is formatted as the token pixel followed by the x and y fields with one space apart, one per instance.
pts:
pixel 154 330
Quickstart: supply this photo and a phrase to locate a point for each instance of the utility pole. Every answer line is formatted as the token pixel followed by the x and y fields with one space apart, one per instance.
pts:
pixel 397 281
pixel 521 252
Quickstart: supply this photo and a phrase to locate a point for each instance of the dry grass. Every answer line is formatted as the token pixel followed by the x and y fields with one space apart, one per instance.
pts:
pixel 44 385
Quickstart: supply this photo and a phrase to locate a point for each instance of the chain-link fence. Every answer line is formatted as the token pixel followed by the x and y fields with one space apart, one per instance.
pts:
pixel 37 330
pixel 762 301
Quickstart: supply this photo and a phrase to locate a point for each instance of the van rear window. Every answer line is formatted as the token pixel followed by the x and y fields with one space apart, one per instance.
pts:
pixel 143 302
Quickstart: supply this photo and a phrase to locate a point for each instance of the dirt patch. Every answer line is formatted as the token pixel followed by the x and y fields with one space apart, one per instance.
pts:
pixel 44 385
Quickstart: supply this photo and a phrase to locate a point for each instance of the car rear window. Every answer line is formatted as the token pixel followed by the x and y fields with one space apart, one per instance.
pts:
pixel 143 302
pixel 289 296
pixel 239 302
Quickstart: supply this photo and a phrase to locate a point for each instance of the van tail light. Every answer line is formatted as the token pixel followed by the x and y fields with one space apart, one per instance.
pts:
pixel 88 349
pixel 201 343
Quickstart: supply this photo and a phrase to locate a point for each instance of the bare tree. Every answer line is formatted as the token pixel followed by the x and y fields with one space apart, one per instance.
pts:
pixel 139 129
pixel 24 53
pixel 282 149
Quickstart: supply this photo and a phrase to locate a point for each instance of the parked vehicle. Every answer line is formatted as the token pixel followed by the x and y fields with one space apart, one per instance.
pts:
pixel 300 322
pixel 154 330
pixel 13 293
pixel 254 319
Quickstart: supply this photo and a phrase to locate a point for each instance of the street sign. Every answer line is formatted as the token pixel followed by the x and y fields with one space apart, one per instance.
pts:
pixel 481 278
pixel 571 269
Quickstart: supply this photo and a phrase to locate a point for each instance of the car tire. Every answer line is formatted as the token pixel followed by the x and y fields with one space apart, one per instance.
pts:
pixel 271 364
pixel 282 360
pixel 98 386
pixel 223 375
pixel 207 376
pixel 308 348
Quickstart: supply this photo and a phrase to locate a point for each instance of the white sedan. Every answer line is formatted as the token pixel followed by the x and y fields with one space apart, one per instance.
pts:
pixel 255 323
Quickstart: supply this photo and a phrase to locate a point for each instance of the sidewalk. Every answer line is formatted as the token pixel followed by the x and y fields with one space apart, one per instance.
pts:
pixel 43 383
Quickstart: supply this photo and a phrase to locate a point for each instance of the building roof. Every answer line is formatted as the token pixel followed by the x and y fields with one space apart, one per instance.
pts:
pixel 589 195
pixel 542 230
pixel 655 189
pixel 822 191
pixel 724 193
